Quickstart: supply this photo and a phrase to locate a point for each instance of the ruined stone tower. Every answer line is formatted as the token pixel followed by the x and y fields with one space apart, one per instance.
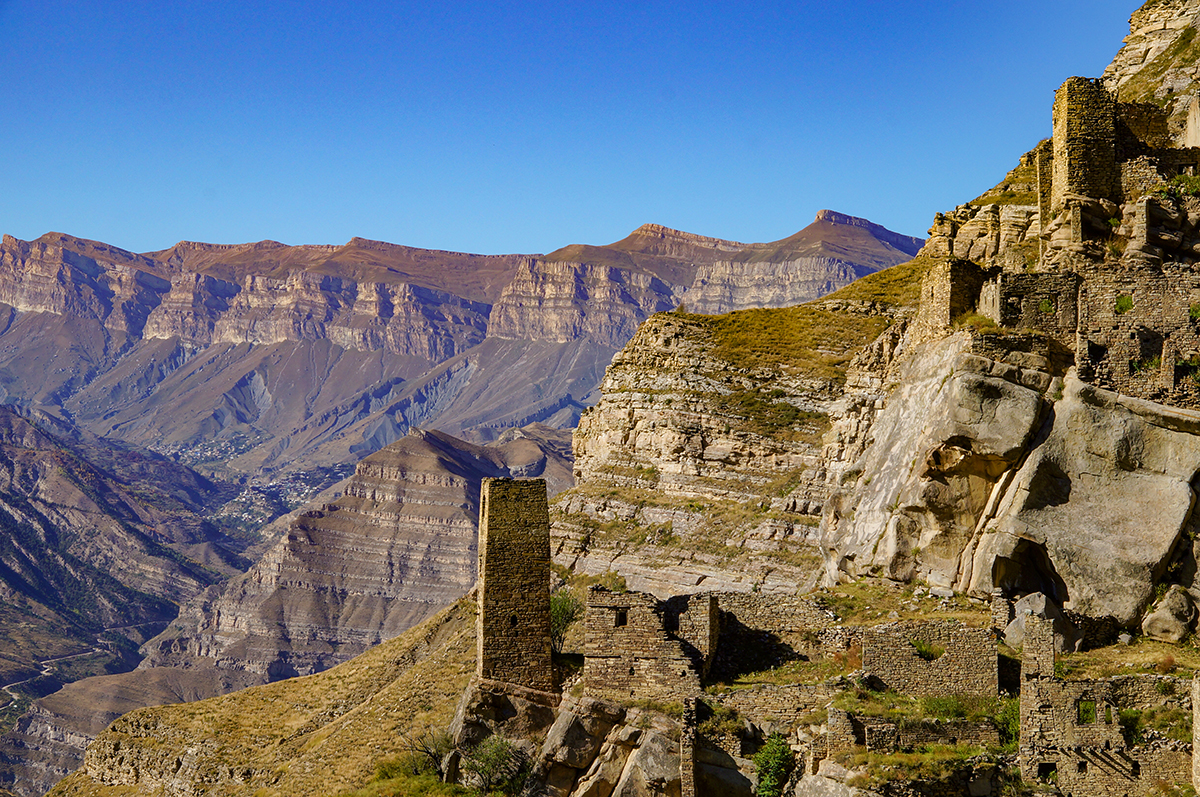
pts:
pixel 1085 142
pixel 514 583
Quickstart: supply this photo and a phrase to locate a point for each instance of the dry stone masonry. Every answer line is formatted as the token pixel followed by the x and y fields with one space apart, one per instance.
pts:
pixel 514 583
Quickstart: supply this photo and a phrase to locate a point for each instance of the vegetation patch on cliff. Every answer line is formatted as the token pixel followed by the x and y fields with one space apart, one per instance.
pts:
pixel 803 340
pixel 898 286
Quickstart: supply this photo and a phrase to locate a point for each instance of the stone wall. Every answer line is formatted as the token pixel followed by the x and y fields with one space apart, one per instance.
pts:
pixel 695 620
pixel 760 631
pixel 1047 303
pixel 884 736
pixel 1140 125
pixel 967 664
pixel 1138 335
pixel 514 583
pixel 1070 730
pixel 948 290
pixel 783 704
pixel 1085 142
pixel 630 654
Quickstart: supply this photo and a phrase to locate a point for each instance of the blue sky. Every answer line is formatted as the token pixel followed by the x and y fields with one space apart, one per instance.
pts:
pixel 519 127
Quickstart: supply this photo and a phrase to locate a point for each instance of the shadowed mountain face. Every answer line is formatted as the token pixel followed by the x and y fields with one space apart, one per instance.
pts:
pixel 97 545
pixel 267 359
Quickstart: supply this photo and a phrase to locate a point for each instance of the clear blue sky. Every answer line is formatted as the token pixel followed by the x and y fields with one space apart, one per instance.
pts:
pixel 519 127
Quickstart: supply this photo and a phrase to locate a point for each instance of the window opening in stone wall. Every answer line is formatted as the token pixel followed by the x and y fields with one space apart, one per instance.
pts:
pixel 514 621
pixel 1136 769
pixel 1085 712
pixel 1048 771
pixel 1108 715
pixel 1081 767
pixel 620 618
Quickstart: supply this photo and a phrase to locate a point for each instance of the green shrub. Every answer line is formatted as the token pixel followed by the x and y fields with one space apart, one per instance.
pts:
pixel 723 722
pixel 1123 304
pixel 1008 723
pixel 565 611
pixel 1046 306
pixel 496 764
pixel 927 650
pixel 1130 720
pixel 773 762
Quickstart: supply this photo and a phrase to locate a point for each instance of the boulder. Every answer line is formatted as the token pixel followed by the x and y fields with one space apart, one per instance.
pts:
pixel 1096 510
pixel 1172 617
pixel 652 770
pixel 1067 637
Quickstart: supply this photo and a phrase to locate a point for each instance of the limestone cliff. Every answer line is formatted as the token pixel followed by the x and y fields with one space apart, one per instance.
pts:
pixel 703 465
pixel 1158 60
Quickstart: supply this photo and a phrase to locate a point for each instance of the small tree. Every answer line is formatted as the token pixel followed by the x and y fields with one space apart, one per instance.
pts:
pixel 496 764
pixel 773 762
pixel 565 610
pixel 430 746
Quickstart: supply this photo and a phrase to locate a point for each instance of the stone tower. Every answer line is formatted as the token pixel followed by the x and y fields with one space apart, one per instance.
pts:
pixel 514 583
pixel 1085 142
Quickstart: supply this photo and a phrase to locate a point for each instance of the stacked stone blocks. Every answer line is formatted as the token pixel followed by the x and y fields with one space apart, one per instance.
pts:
pixel 967 664
pixel 514 584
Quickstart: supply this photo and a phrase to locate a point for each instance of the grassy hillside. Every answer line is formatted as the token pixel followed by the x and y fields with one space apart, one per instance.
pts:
pixel 317 735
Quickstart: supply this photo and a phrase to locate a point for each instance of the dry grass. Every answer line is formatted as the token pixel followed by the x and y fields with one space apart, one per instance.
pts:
pixel 803 340
pixel 1143 657
pixel 871 601
pixel 898 286
pixel 317 735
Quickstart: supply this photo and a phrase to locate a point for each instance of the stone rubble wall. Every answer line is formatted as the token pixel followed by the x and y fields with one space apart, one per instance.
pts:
pixel 628 652
pixel 968 664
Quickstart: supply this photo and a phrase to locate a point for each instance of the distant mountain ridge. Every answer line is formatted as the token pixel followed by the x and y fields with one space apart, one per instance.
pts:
pixel 264 358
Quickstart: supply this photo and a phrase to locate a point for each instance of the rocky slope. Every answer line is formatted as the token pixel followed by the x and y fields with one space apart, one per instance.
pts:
pixel 95 554
pixel 717 440
pixel 1158 60
pixel 305 736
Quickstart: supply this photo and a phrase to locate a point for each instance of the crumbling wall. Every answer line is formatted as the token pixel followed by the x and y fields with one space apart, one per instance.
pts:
pixel 514 583
pixel 948 290
pixel 965 660
pixel 1140 333
pixel 786 705
pixel 1071 733
pixel 759 631
pixel 629 653
pixel 1046 303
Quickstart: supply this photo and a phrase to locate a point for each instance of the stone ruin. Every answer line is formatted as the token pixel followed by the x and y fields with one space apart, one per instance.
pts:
pixel 642 650
pixel 514 584
pixel 1103 266
pixel 1071 732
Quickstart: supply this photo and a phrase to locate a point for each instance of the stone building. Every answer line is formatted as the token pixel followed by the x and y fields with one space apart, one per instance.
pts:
pixel 1071 732
pixel 1103 265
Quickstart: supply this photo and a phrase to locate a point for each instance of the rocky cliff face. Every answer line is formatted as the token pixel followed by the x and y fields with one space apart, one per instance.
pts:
pixel 1158 60
pixel 703 465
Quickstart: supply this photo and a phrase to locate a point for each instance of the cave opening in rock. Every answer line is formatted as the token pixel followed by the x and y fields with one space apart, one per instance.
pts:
pixel 1027 570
